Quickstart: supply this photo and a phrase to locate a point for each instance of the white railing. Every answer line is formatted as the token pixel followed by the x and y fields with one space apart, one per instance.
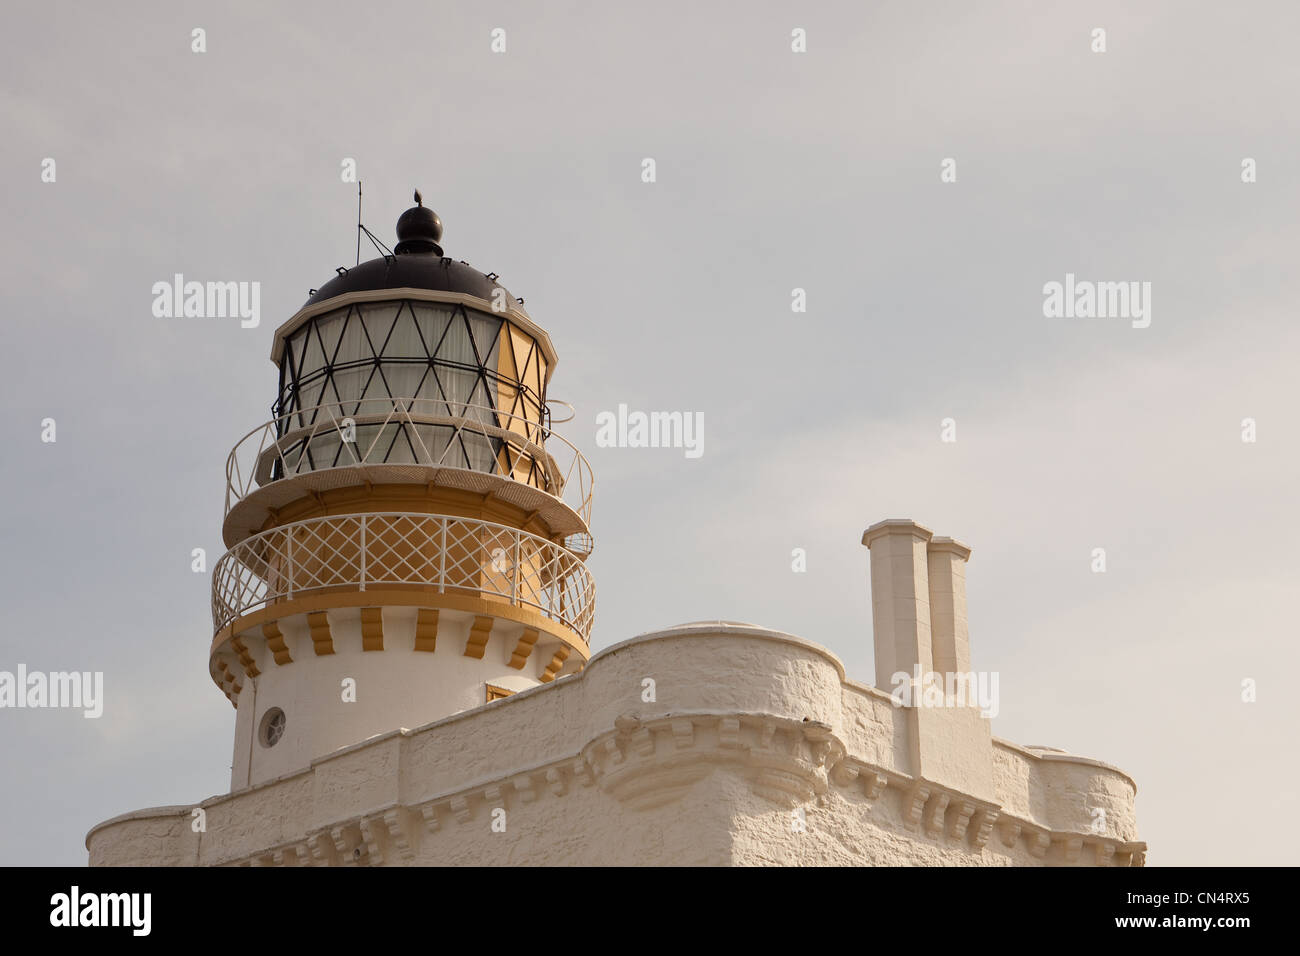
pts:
pixel 434 552
pixel 411 431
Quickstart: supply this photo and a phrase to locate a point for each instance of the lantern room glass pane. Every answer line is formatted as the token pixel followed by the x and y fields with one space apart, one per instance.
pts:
pixel 403 378
pixel 486 336
pixel 353 344
pixel 456 346
pixel 432 320
pixel 379 320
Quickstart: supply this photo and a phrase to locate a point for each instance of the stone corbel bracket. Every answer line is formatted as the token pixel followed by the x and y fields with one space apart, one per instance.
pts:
pixel 649 761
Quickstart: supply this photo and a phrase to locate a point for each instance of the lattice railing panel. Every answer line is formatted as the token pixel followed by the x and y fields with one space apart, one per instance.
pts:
pixel 434 551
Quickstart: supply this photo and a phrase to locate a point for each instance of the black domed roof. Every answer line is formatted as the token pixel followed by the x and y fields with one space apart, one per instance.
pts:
pixel 417 263
pixel 411 270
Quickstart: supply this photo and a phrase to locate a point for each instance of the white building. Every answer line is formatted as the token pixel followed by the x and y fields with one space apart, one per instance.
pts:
pixel 402 625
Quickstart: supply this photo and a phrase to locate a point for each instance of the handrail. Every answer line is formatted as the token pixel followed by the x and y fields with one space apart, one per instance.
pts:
pixel 289 446
pixel 439 552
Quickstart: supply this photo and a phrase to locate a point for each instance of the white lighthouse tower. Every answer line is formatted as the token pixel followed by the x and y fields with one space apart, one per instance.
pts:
pixel 407 534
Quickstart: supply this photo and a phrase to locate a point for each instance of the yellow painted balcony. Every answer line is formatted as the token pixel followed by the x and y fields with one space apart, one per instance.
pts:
pixel 432 554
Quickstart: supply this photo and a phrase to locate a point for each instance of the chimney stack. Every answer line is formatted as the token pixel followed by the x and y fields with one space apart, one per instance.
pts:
pixel 918 605
pixel 900 598
pixel 950 635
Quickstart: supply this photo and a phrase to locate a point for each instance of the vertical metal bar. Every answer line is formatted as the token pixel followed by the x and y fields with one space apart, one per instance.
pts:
pixel 562 594
pixel 514 576
pixel 363 552
pixel 289 561
pixel 442 559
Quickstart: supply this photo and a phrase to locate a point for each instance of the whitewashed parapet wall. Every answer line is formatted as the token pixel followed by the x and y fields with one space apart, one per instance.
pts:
pixel 755 750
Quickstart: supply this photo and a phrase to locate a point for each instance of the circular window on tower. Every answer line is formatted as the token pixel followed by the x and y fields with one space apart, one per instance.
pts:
pixel 272 728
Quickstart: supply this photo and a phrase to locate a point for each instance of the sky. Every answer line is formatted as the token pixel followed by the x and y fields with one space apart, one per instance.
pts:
pixel 774 171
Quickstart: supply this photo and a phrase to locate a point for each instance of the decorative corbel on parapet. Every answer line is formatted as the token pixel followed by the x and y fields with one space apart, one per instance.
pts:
pixel 821 741
pixel 295 855
pixel 494 797
pixel 935 814
pixel 426 629
pixel 873 783
pixel 401 831
pixel 322 849
pixel 683 732
pixel 583 771
pixel 557 661
pixel 627 724
pixel 460 806
pixel 914 803
pixel 988 818
pixel 613 752
pixel 525 789
pixel 844 772
pixel 348 843
pixel 643 742
pixel 729 732
pixel 1010 832
pixel 479 633
pixel 370 837
pixel 275 641
pixel 429 814
pixel 964 810
pixel 825 750
pixel 638 766
pixel 372 629
pixel 638 735
pixel 559 786
pixel 1073 847
pixel 1038 844
pixel 785 777
pixel 340 845
pixel 319 625
pixel 245 658
pixel 1105 853
pixel 524 648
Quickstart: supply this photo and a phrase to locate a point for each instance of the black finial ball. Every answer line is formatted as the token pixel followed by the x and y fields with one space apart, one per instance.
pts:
pixel 418 230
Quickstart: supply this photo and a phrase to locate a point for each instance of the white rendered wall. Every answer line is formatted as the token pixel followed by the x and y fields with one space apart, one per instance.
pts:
pixel 394 687
pixel 750 730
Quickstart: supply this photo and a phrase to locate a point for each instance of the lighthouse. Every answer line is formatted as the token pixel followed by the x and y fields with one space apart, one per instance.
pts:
pixel 402 623
pixel 407 535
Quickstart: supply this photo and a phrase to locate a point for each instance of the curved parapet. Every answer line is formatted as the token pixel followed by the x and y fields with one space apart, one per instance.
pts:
pixel 697 744
pixel 1066 792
